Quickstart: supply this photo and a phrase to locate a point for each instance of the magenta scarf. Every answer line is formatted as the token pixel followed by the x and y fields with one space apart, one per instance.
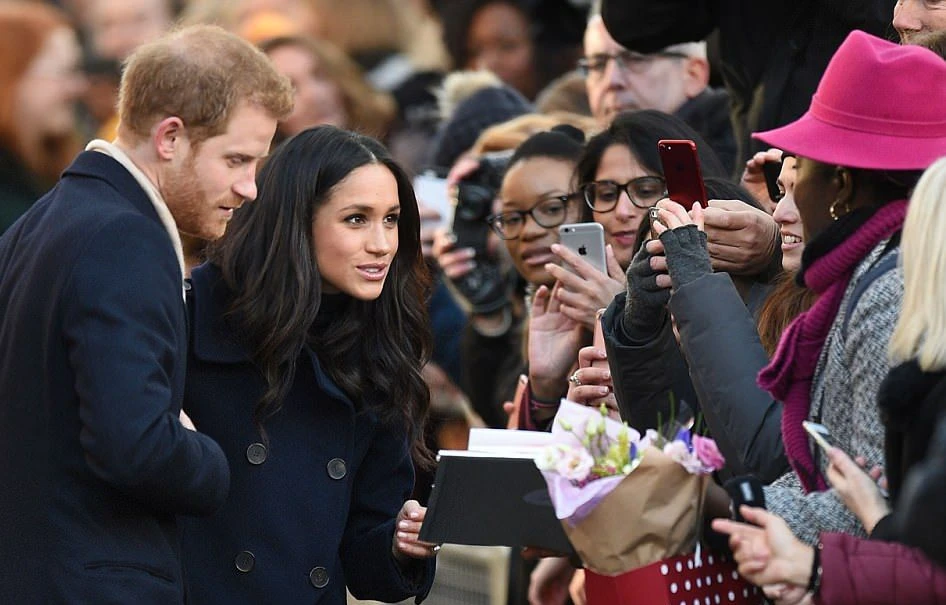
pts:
pixel 789 375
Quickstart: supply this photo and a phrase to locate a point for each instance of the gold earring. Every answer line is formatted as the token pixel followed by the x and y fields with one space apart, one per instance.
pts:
pixel 833 209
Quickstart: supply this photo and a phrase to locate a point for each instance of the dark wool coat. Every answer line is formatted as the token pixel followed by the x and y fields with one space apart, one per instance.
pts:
pixel 94 463
pixel 312 510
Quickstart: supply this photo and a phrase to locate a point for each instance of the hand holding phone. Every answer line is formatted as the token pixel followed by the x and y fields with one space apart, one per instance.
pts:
pixel 819 433
pixel 681 166
pixel 586 240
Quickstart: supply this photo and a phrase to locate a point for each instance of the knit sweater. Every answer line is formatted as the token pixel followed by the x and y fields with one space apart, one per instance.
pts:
pixel 851 367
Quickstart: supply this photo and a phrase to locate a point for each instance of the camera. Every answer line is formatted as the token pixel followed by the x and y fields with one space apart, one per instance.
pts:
pixel 484 286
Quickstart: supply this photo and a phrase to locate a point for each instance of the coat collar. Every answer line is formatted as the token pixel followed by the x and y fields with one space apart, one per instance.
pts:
pixel 97 165
pixel 214 340
pixel 905 390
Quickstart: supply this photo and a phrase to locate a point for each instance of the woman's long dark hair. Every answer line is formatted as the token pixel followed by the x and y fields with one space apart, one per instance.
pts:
pixel 375 350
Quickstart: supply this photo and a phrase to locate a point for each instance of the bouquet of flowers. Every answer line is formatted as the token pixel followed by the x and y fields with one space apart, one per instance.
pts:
pixel 625 500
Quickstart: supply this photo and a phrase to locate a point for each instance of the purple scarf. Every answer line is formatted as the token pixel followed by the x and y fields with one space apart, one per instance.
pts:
pixel 789 375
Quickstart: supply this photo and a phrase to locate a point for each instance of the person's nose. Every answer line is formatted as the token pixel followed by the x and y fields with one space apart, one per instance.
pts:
pixel 531 230
pixel 785 212
pixel 614 74
pixel 379 240
pixel 245 187
pixel 906 17
pixel 625 209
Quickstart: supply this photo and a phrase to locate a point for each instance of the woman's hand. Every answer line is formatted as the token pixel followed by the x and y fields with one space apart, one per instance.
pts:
pixel 857 489
pixel 685 249
pixel 767 552
pixel 753 177
pixel 407 544
pixel 548 582
pixel 554 339
pixel 591 385
pixel 584 288
pixel 454 262
pixel 672 215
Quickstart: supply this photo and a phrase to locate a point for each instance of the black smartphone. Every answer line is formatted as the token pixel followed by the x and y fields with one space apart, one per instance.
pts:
pixel 681 165
pixel 747 490
pixel 771 170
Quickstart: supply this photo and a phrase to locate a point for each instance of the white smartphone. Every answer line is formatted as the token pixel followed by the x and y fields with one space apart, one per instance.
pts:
pixel 819 433
pixel 587 241
pixel 431 191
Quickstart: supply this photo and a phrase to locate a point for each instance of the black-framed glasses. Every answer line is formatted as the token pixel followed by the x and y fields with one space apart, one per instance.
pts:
pixel 644 192
pixel 547 212
pixel 595 65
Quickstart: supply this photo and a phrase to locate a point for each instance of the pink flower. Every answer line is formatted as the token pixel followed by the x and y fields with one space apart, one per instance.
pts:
pixel 706 450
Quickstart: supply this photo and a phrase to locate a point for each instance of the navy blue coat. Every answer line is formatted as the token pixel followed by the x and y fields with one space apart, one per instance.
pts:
pixel 311 511
pixel 94 464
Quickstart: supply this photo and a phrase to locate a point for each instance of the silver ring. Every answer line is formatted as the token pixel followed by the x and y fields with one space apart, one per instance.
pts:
pixel 574 379
pixel 654 214
pixel 436 548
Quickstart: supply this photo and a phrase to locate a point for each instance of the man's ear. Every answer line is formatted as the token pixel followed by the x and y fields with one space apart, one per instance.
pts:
pixel 169 138
pixel 696 75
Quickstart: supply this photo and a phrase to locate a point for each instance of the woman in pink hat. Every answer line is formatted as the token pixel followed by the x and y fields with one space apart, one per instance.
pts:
pixel 905 560
pixel 858 157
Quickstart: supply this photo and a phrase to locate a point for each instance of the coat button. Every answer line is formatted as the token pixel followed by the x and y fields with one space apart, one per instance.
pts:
pixel 319 577
pixel 256 453
pixel 336 468
pixel 245 561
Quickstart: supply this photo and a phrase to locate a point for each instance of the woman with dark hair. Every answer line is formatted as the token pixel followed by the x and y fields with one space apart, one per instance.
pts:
pixel 308 338
pixel 527 43
pixel 621 178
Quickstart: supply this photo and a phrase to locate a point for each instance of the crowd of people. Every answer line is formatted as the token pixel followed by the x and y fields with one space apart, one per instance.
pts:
pixel 234 329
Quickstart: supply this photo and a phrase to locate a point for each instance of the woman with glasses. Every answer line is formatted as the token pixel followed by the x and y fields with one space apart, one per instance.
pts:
pixel 621 179
pixel 537 197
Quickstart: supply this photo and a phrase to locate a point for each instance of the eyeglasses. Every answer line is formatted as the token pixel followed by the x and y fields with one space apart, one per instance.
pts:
pixel 595 65
pixel 644 192
pixel 547 212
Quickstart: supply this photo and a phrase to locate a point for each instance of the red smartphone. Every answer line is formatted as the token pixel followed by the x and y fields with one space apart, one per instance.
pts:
pixel 681 166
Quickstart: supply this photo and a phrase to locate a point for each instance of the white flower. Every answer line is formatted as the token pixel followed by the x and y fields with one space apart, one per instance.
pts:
pixel 550 456
pixel 575 464
pixel 679 453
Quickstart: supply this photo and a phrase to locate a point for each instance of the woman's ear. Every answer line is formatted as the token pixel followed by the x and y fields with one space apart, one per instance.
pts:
pixel 845 182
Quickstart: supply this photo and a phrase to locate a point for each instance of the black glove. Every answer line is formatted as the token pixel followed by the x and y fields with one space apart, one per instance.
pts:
pixel 646 305
pixel 687 255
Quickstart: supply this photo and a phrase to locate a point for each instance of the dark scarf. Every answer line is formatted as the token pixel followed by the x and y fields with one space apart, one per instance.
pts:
pixel 827 268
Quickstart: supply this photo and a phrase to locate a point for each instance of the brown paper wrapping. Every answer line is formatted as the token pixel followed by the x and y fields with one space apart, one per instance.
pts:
pixel 654 513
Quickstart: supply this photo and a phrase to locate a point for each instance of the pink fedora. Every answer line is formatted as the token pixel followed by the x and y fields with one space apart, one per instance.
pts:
pixel 879 106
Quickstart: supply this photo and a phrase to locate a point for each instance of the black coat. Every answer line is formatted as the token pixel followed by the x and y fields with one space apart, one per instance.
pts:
pixel 95 465
pixel 911 402
pixel 708 114
pixel 312 510
pixel 718 335
pixel 720 341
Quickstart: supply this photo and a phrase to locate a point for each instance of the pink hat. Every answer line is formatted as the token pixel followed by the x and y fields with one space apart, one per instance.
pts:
pixel 879 105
